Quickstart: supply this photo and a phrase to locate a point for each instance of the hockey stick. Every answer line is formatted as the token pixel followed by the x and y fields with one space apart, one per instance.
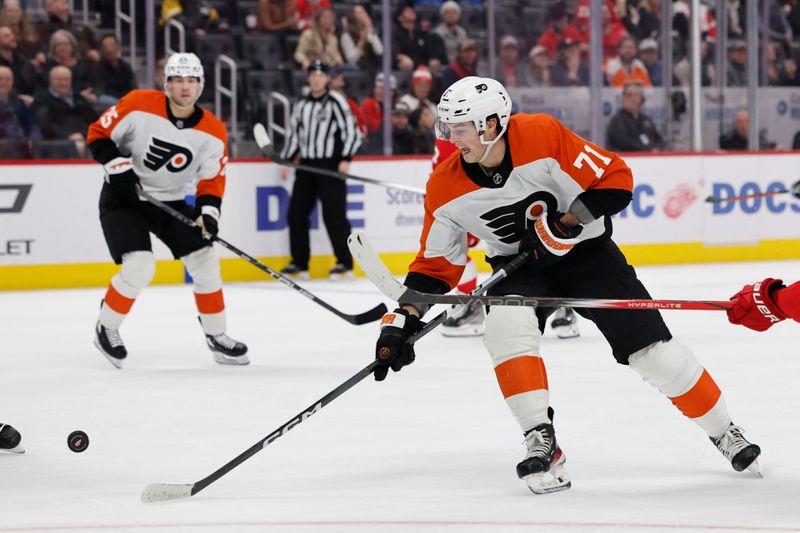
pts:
pixel 377 272
pixel 265 144
pixel 718 200
pixel 362 318
pixel 158 492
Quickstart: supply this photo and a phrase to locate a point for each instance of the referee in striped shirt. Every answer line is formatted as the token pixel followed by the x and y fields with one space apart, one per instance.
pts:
pixel 323 132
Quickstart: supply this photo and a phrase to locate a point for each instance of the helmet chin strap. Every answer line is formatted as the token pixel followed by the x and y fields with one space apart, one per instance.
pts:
pixel 489 145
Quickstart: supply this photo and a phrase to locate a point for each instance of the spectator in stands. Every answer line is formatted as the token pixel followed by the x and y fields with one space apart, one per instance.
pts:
pixel 465 64
pixel 626 67
pixel 17 124
pixel 115 78
pixel 570 70
pixel 277 16
pixel 64 52
pixel 414 47
pixel 613 30
pixel 198 16
pixel 738 138
pixel 512 70
pixel 421 121
pixel 63 114
pixel 449 30
pixel 736 75
pixel 558 29
pixel 402 136
pixel 777 74
pixel 630 129
pixel 308 10
pixel 421 85
pixel 23 69
pixel 13 16
pixel 640 21
pixel 372 106
pixel 537 73
pixel 319 42
pixel 682 70
pixel 158 77
pixel 59 18
pixel 361 46
pixel 337 84
pixel 648 54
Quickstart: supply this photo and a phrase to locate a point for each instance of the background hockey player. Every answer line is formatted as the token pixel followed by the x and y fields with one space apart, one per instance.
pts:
pixel 469 320
pixel 162 142
pixel 526 183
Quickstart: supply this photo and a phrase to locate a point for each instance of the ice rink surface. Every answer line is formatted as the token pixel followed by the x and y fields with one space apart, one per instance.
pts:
pixel 433 448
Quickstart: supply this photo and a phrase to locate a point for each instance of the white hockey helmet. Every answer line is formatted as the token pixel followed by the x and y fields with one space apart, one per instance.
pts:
pixel 184 65
pixel 474 99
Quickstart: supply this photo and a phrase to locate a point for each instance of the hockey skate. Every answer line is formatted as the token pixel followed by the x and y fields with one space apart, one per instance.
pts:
pixel 341 273
pixel 742 454
pixel 466 321
pixel 565 323
pixel 10 440
pixel 294 271
pixel 227 351
pixel 110 344
pixel 543 467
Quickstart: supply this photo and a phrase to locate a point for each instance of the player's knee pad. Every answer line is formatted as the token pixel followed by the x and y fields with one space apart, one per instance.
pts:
pixel 203 266
pixel 510 332
pixel 669 366
pixel 138 269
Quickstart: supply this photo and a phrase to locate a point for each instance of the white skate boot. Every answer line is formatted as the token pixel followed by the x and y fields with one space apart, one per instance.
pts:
pixel 466 321
pixel 742 454
pixel 565 323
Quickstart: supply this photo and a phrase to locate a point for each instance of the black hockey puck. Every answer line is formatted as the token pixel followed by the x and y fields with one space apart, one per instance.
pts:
pixel 78 441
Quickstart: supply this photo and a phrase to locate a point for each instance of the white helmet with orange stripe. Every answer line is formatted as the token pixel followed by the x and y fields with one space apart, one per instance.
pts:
pixel 184 65
pixel 474 99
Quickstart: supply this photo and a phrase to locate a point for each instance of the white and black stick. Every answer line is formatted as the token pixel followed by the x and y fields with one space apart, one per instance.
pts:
pixel 265 144
pixel 159 492
pixel 362 318
pixel 376 271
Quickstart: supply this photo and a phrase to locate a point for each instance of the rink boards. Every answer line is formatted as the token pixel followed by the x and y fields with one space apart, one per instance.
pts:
pixel 50 235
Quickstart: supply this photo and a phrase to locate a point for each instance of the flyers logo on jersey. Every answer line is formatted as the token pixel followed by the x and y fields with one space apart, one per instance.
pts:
pixel 509 222
pixel 160 153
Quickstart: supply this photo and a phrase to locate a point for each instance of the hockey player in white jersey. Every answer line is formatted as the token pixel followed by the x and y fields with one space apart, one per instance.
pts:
pixel 162 142
pixel 526 183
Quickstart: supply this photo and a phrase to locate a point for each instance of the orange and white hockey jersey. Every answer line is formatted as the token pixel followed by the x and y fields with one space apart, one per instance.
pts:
pixel 547 167
pixel 168 153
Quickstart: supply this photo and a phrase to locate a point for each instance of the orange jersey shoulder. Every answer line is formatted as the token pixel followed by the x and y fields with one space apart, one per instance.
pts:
pixel 145 100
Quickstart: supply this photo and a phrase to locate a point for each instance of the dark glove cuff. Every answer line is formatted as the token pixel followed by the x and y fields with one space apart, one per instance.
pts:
pixel 208 199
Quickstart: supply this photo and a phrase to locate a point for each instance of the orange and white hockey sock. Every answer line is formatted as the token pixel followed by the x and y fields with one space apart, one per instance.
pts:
pixel 469 278
pixel 673 369
pixel 138 269
pixel 203 266
pixel 512 338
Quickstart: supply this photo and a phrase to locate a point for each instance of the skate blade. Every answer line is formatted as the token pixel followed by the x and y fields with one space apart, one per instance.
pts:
pixel 567 333
pixel 237 360
pixel 755 468
pixel 116 362
pixel 555 480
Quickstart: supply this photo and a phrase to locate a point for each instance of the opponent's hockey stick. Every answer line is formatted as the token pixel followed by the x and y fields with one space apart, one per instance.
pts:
pixel 376 271
pixel 362 318
pixel 158 492
pixel 265 144
pixel 719 200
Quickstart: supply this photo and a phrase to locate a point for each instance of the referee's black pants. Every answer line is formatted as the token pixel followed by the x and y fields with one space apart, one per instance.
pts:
pixel 332 194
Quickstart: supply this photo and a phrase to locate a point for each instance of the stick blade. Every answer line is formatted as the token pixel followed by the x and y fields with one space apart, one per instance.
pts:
pixel 713 200
pixel 161 492
pixel 373 267
pixel 376 313
pixel 261 136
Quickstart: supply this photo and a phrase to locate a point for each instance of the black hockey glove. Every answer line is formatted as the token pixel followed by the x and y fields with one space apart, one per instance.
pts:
pixel 549 239
pixel 392 350
pixel 795 190
pixel 122 180
pixel 207 218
